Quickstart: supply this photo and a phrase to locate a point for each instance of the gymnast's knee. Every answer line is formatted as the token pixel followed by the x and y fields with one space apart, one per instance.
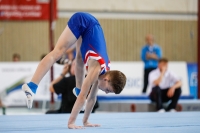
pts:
pixel 57 53
pixel 156 89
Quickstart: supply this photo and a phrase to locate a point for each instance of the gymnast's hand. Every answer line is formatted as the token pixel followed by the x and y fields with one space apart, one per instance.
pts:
pixel 87 124
pixel 73 126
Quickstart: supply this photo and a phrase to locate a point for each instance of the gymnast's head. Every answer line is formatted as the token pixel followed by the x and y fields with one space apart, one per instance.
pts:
pixel 112 82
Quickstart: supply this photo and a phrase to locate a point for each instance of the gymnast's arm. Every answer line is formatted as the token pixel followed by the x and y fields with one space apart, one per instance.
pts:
pixel 91 100
pixel 92 76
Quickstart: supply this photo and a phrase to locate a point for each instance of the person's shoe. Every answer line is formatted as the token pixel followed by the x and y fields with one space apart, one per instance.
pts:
pixel 161 111
pixel 29 95
pixel 76 92
pixel 172 110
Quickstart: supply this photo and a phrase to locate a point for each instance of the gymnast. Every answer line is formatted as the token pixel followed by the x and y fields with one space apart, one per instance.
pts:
pixel 84 30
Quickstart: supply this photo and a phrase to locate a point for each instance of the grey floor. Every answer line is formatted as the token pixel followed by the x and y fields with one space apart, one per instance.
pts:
pixel 185 122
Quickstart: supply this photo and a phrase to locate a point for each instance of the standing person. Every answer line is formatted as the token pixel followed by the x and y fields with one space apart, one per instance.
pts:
pixel 84 30
pixel 64 85
pixel 165 86
pixel 150 55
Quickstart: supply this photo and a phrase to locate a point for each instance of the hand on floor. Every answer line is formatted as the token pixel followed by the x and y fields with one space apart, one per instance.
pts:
pixel 91 125
pixel 73 126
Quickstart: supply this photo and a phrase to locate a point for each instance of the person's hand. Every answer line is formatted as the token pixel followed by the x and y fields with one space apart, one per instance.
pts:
pixel 151 56
pixel 73 126
pixel 51 88
pixel 170 92
pixel 65 69
pixel 154 56
pixel 163 69
pixel 87 124
pixel 148 55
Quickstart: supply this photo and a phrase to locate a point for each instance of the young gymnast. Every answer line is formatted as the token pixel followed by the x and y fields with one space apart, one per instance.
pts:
pixel 84 30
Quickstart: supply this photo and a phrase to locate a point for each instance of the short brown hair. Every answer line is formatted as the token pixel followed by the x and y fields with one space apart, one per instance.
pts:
pixel 117 80
pixel 165 60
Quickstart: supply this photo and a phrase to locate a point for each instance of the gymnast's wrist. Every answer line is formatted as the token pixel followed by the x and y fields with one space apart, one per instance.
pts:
pixel 85 122
pixel 71 121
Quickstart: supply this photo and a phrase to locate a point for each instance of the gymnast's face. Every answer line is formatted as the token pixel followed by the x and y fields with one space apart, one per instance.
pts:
pixel 104 85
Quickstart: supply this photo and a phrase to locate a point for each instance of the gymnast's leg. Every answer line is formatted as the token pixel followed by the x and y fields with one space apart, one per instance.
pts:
pixel 65 40
pixel 79 67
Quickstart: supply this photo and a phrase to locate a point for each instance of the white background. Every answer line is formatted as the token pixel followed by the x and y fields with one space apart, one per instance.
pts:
pixel 11 72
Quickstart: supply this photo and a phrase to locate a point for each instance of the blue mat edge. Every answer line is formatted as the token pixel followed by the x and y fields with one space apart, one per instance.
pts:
pixel 134 97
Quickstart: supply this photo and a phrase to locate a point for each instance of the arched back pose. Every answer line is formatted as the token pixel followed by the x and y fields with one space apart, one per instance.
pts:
pixel 84 30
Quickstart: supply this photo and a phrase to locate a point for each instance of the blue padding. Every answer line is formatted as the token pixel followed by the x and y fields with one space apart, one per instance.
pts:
pixel 122 97
pixel 59 97
pixel 187 97
pixel 141 97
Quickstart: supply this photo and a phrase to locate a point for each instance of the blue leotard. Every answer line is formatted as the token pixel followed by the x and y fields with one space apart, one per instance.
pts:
pixel 93 42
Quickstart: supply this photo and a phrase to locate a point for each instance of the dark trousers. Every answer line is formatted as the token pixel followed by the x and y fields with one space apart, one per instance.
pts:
pixel 146 76
pixel 59 112
pixel 53 112
pixel 160 96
